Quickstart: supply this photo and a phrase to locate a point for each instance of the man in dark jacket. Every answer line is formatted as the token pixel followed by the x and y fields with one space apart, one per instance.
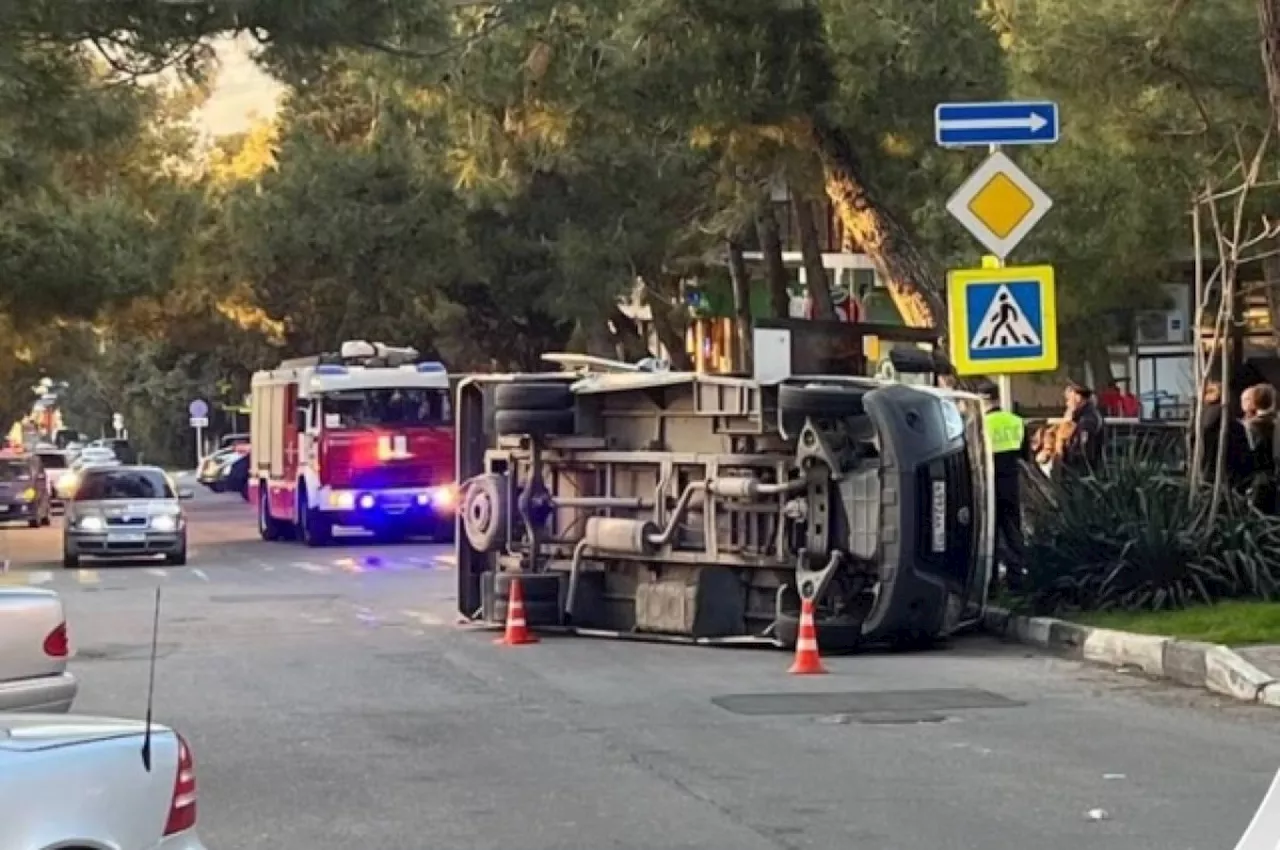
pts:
pixel 1083 450
pixel 1235 463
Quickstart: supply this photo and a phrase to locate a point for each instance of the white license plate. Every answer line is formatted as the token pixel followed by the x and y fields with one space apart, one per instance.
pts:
pixel 127 537
pixel 939 524
pixel 4 509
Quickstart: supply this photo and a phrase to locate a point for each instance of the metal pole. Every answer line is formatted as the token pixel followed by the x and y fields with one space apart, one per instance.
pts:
pixel 199 444
pixel 1004 382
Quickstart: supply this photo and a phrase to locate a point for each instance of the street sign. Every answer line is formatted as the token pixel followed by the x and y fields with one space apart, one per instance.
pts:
pixel 117 421
pixel 999 204
pixel 198 409
pixel 1007 123
pixel 199 422
pixel 1002 320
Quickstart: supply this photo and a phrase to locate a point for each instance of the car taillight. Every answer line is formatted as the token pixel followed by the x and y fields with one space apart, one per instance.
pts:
pixel 56 644
pixel 182 808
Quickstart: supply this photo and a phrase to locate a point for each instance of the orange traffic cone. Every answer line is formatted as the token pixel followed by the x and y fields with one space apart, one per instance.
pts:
pixel 808 662
pixel 517 633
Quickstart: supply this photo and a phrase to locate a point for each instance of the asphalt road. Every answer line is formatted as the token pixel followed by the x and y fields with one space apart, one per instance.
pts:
pixel 331 702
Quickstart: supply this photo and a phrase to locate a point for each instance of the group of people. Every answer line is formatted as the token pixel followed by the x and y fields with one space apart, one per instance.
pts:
pixel 1249 462
pixel 1072 445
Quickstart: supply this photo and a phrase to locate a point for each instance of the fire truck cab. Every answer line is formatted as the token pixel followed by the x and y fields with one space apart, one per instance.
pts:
pixel 362 438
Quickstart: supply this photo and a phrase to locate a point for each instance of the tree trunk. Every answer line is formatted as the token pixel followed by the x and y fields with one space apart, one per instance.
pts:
pixel 909 276
pixel 811 248
pixel 1269 27
pixel 1099 360
pixel 775 269
pixel 670 320
pixel 741 281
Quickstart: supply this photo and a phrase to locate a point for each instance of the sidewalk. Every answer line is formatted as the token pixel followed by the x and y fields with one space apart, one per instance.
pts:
pixel 1248 674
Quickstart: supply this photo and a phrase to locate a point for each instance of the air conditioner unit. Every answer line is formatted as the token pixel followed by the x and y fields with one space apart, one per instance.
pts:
pixel 1160 327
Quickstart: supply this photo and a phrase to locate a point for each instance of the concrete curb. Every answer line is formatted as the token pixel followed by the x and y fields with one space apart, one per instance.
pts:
pixel 1191 663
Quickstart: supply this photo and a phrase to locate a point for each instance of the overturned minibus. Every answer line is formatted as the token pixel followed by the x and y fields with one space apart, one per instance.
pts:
pixel 637 502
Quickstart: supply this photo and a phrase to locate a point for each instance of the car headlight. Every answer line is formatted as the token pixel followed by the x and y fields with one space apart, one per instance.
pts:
pixel 164 522
pixel 29 494
pixel 91 523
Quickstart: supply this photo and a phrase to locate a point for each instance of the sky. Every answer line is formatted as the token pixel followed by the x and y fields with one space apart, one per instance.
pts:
pixel 242 95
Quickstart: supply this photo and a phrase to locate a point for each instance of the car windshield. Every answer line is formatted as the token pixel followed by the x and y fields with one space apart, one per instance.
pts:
pixel 108 484
pixel 54 461
pixel 15 470
pixel 359 408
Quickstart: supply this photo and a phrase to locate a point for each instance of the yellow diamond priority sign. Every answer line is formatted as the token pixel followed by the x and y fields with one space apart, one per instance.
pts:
pixel 999 204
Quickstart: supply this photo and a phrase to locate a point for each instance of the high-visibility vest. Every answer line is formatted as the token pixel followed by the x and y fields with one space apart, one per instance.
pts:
pixel 1006 431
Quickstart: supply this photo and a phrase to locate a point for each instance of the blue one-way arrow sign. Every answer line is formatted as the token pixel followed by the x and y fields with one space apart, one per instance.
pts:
pixel 1008 123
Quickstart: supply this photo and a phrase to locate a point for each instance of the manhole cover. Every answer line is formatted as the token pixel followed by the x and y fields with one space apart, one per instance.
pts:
pixel 923 702
pixel 274 597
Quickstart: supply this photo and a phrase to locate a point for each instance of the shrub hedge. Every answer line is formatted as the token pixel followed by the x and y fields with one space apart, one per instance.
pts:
pixel 1134 536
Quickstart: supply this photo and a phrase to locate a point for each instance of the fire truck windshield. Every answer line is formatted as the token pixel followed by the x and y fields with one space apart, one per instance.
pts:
pixel 388 407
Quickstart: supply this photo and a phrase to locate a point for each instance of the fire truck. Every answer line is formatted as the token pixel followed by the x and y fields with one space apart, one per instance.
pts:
pixel 362 438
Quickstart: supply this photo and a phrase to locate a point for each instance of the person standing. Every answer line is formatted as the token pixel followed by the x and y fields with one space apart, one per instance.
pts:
pixel 1082 451
pixel 1259 404
pixel 1235 465
pixel 1007 434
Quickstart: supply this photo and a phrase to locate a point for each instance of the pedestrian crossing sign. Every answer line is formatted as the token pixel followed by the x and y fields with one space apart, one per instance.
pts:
pixel 1002 321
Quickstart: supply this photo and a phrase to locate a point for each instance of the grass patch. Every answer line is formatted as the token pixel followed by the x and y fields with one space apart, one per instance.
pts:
pixel 1230 623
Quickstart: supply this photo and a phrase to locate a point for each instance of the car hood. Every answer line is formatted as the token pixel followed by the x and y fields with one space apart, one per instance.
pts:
pixel 32 732
pixel 128 507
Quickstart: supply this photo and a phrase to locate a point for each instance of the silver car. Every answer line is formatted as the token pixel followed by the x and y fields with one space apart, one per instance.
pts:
pixel 34 648
pixel 125 512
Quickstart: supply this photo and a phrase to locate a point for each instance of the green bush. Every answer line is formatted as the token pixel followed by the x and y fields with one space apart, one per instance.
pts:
pixel 1135 537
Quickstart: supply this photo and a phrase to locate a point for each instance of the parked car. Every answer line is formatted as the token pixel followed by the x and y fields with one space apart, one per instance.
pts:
pixel 125 512
pixel 235 475
pixel 24 490
pixel 34 648
pixel 54 463
pixel 210 473
pixel 68 781
pixel 227 473
pixel 234 441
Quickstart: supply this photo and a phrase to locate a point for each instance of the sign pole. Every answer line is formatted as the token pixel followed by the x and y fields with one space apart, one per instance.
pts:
pixel 1003 381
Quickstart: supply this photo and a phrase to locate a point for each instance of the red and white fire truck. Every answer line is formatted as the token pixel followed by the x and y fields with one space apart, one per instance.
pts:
pixel 362 438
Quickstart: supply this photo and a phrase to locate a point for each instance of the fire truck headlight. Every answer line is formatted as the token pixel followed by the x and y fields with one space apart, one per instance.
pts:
pixel 445 498
pixel 343 501
pixel 423 499
pixel 366 501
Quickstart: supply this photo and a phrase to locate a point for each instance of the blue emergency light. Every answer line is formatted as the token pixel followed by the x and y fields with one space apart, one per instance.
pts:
pixel 331 369
pixel 431 366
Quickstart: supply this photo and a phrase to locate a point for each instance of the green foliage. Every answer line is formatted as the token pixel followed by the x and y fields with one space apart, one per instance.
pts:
pixel 1134 537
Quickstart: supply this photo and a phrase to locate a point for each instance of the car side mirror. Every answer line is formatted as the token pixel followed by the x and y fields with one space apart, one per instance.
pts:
pixel 185 494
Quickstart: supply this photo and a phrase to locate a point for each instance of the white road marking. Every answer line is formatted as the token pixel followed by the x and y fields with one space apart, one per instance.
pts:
pixel 157 572
pixel 40 577
pixel 87 576
pixel 450 559
pixel 199 573
pixel 310 567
